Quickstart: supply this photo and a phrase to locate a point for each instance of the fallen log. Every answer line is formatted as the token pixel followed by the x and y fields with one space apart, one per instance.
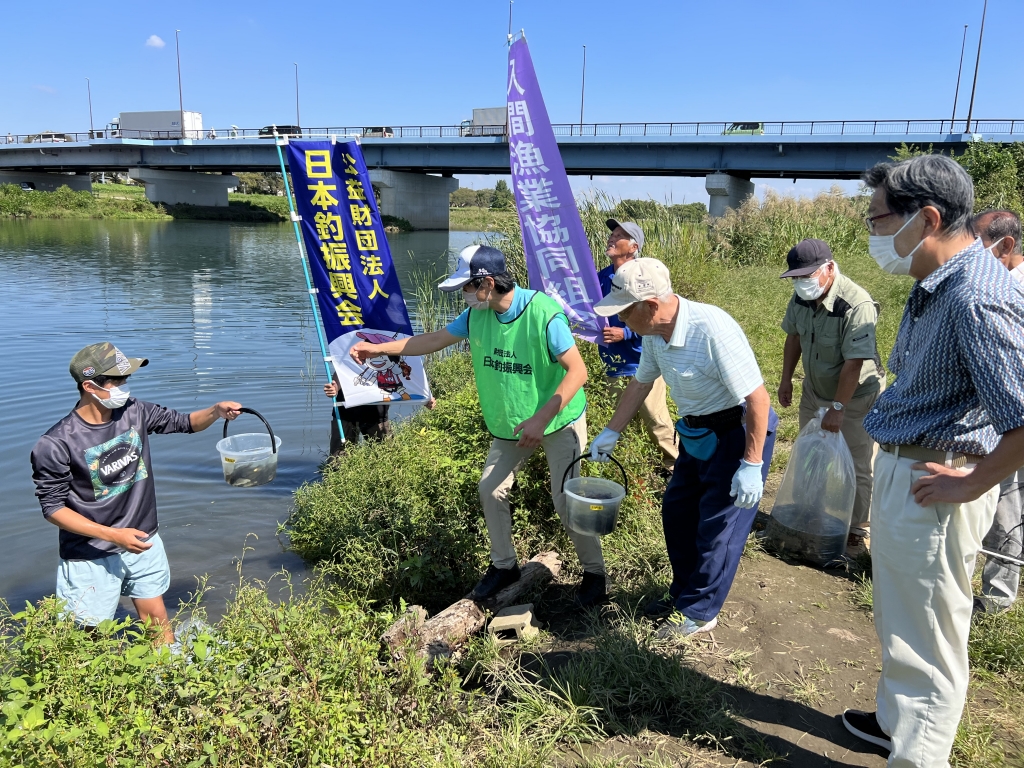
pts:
pixel 439 636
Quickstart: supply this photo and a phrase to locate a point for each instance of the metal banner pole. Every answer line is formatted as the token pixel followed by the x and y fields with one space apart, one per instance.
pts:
pixel 309 283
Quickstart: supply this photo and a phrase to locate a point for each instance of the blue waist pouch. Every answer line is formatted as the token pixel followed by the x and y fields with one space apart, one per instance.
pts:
pixel 699 442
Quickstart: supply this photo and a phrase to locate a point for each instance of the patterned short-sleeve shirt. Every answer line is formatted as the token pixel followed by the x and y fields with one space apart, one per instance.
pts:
pixel 958 360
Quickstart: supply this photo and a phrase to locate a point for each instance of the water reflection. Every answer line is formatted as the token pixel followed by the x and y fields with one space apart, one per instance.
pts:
pixel 221 311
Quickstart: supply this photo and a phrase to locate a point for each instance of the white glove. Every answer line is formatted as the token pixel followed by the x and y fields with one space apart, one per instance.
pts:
pixel 747 485
pixel 603 445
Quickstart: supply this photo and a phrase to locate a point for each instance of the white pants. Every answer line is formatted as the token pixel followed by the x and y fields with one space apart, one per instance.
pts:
pixel 922 561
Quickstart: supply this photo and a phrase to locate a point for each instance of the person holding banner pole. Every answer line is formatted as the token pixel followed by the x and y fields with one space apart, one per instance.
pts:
pixel 530 377
pixel 371 421
pixel 727 437
pixel 620 351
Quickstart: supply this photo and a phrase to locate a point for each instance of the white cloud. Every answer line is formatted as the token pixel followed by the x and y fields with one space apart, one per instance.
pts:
pixel 155 41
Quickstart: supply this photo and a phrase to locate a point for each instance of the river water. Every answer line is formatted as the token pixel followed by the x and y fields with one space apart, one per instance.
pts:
pixel 221 311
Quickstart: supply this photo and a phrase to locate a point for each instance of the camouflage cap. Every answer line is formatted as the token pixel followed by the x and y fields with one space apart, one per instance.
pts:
pixel 103 359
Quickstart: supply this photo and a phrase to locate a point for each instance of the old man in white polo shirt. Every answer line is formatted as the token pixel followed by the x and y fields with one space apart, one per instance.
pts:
pixel 727 436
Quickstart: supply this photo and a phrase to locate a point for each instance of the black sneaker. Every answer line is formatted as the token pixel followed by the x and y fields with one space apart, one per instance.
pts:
pixel 864 725
pixel 660 608
pixel 495 580
pixel 591 591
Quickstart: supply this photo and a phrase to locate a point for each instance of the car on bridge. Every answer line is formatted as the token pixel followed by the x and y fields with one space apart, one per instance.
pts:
pixel 380 132
pixel 50 137
pixel 269 131
pixel 744 129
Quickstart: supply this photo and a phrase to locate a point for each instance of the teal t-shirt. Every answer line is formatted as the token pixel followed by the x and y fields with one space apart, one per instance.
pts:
pixel 559 336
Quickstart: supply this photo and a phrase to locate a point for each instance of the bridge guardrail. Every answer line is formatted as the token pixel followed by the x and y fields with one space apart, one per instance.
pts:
pixel 999 127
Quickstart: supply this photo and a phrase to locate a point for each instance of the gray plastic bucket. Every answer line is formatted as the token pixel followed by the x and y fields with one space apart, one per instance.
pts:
pixel 249 459
pixel 592 503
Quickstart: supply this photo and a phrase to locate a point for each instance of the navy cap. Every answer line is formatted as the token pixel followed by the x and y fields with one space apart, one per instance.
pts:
pixel 475 261
pixel 806 257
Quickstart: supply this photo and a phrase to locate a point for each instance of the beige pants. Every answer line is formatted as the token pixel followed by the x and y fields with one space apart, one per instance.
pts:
pixel 922 561
pixel 655 417
pixel 503 461
pixel 861 446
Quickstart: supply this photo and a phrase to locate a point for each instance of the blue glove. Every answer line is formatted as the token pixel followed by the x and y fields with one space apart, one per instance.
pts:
pixel 603 445
pixel 747 485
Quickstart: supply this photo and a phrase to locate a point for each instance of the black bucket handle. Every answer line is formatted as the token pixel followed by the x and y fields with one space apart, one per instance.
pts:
pixel 258 415
pixel 625 480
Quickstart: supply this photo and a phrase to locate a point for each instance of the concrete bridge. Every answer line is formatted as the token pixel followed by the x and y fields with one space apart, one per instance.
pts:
pixel 413 166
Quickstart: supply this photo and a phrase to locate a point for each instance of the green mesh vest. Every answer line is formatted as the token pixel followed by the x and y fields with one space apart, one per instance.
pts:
pixel 515 373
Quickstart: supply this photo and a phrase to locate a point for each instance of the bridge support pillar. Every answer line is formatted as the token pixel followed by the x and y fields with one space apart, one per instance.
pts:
pixel 175 187
pixel 727 191
pixel 420 199
pixel 48 182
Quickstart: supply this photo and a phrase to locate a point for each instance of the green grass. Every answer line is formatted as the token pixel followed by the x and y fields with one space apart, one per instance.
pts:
pixel 478 219
pixel 303 683
pixel 67 204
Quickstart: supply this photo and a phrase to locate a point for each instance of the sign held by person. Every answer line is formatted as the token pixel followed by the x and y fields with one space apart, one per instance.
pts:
pixel 353 275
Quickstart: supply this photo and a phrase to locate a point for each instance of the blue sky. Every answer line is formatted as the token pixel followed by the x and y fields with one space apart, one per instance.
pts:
pixel 430 63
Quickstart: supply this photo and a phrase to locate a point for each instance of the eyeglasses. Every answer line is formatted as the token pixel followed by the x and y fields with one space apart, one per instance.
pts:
pixel 870 220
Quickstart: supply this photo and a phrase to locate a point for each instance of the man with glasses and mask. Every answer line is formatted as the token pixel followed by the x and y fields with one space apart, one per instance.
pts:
pixel 727 434
pixel 530 376
pixel 949 429
pixel 1000 233
pixel 620 351
pixel 94 481
pixel 830 322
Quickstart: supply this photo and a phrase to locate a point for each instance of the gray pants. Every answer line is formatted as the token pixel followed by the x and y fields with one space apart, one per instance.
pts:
pixel 503 461
pixel 999 579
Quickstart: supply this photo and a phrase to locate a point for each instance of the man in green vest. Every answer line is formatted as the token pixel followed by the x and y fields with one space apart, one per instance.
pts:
pixel 530 377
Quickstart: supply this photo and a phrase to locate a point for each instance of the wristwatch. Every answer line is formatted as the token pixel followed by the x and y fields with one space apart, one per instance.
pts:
pixel 836 405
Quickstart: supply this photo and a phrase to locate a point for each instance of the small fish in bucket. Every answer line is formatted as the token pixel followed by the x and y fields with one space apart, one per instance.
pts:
pixel 249 459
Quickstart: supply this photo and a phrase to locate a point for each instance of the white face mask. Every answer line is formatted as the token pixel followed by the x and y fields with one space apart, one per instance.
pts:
pixel 474 303
pixel 992 248
pixel 808 288
pixel 883 250
pixel 118 397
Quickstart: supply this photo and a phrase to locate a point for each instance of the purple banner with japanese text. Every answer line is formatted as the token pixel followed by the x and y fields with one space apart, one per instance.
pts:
pixel 350 265
pixel 557 251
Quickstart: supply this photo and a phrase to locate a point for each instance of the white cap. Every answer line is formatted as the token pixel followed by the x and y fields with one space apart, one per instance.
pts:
pixel 635 281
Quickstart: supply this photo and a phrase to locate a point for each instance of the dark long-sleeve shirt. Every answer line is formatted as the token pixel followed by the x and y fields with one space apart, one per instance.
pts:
pixel 103 472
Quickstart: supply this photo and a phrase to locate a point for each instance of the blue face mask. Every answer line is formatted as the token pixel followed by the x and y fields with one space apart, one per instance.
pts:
pixel 698 442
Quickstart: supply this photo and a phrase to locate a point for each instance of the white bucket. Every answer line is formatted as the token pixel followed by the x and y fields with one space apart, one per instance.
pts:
pixel 249 459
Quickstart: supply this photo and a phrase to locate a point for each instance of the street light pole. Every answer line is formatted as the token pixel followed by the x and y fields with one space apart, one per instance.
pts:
pixel 583 87
pixel 298 122
pixel 181 101
pixel 88 87
pixel 977 62
pixel 959 72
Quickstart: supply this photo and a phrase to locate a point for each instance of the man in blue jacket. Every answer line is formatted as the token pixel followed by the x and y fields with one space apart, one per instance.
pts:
pixel 620 351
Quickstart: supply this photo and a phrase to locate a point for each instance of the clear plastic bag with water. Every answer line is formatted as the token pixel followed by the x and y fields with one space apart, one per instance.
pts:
pixel 811 516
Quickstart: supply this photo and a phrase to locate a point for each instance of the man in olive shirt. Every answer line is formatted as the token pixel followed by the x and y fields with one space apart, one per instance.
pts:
pixel 830 321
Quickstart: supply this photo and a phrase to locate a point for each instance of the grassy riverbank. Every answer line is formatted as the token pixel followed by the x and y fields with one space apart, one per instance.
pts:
pixel 304 683
pixel 474 219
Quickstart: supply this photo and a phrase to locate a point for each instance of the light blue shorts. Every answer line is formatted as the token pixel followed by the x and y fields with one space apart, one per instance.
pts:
pixel 91 588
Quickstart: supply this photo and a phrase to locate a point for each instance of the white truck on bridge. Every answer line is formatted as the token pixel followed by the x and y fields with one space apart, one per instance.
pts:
pixel 489 121
pixel 165 124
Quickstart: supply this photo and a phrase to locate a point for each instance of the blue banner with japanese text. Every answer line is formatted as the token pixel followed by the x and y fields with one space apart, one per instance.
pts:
pixel 356 284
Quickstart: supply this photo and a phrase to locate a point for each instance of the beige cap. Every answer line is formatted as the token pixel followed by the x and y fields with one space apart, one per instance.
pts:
pixel 635 281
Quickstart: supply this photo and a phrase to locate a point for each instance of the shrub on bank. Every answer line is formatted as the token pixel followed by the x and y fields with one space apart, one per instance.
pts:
pixel 298 683
pixel 65 203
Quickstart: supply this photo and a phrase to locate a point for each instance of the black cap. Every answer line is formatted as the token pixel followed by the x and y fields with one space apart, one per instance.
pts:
pixel 806 257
